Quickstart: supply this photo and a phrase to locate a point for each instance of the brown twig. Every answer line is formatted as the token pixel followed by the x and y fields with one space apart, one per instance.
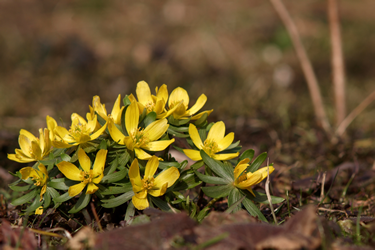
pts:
pixel 96 216
pixel 307 69
pixel 345 123
pixel 337 61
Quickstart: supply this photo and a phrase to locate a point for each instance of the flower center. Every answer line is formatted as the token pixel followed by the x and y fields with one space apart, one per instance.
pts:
pixel 148 183
pixel 210 147
pixel 87 176
pixel 77 130
pixel 150 106
pixel 139 138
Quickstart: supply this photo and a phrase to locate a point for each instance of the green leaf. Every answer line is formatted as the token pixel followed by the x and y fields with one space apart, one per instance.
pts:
pixel 262 198
pixel 235 206
pixel 126 101
pixel 187 180
pixel 177 122
pixel 247 154
pixel 52 192
pixel 202 214
pixel 253 209
pixel 211 179
pixel 163 205
pixel 177 134
pixel 26 198
pixel 150 118
pixel 218 167
pixel 100 119
pixel 166 164
pixel 82 202
pixel 129 215
pixel 202 134
pixel 234 196
pixel 123 159
pixel 112 168
pixel 47 200
pixel 218 191
pixel 62 198
pixel 36 203
pixel 233 145
pixel 116 189
pixel 179 129
pixel 58 184
pixel 200 122
pixel 103 144
pixel 117 201
pixel 22 188
pixel 116 176
pixel 65 157
pixel 256 163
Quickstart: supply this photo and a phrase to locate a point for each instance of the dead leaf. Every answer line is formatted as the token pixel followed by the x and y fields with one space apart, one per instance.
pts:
pixel 85 238
pixel 11 236
pixel 154 235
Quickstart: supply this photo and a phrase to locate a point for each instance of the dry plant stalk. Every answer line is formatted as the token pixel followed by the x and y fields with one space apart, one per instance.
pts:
pixel 307 69
pixel 337 61
pixel 267 187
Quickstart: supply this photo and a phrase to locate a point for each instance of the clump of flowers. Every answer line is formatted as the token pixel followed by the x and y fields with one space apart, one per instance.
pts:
pixel 123 159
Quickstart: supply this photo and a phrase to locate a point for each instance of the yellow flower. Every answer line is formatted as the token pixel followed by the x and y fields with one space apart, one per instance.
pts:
pixel 247 180
pixel 39 210
pixel 149 185
pixel 99 108
pixel 179 101
pixel 80 132
pixel 38 176
pixel 87 176
pixel 150 102
pixel 213 145
pixel 32 148
pixel 140 139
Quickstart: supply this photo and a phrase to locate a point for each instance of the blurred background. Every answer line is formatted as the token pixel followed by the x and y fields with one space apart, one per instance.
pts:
pixel 56 55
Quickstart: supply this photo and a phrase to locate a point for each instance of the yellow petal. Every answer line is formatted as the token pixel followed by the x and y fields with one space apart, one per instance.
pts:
pixel 250 181
pixel 139 192
pixel 197 116
pixel 19 158
pixel 162 93
pixel 42 141
pixel 159 106
pixel 156 129
pixel 263 172
pixel 99 163
pixel 198 105
pixel 177 95
pixel 140 204
pixel 76 189
pixel 84 160
pixel 61 131
pixel 117 110
pixel 142 155
pixel 115 133
pixel 241 166
pixel 132 118
pixel 91 188
pixel 158 145
pixel 169 176
pixel 28 135
pixel 216 132
pixel 39 210
pixel 225 157
pixel 225 142
pixel 91 124
pixel 70 171
pixel 194 135
pixel 144 93
pixel 25 144
pixel 37 152
pixel 151 167
pixel 77 119
pixel 43 191
pixel 28 172
pixel 134 175
pixel 98 132
pixel 193 154
pixel 179 111
pixel 158 191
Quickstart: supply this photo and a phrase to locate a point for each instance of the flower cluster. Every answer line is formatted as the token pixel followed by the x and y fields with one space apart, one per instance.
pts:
pixel 123 158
